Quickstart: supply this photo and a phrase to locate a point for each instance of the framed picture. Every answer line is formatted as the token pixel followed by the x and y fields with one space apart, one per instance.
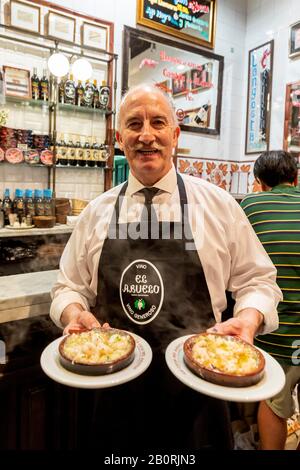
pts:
pixel 16 82
pixel 201 78
pixel 93 35
pixel 259 98
pixel 291 141
pixel 61 26
pixel 182 70
pixel 180 84
pixel 192 21
pixel 165 86
pixel 25 16
pixel 295 40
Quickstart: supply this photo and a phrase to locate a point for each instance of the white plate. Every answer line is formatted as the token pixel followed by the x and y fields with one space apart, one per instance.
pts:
pixel 52 367
pixel 11 227
pixel 271 383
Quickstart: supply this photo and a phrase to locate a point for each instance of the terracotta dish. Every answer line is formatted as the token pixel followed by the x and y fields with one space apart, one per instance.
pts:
pixel 97 352
pixel 224 359
pixel 44 221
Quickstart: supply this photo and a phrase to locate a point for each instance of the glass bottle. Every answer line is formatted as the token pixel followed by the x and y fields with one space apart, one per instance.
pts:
pixel 88 94
pixel 48 202
pixel 7 206
pixel 81 153
pixel 71 153
pixel 70 91
pixel 38 202
pixel 61 90
pixel 63 152
pixel 44 87
pixel 96 103
pixel 104 94
pixel 18 205
pixel 79 94
pixel 35 85
pixel 88 154
pixel 29 203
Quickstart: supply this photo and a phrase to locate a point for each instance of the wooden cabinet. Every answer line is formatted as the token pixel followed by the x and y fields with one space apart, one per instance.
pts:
pixel 36 413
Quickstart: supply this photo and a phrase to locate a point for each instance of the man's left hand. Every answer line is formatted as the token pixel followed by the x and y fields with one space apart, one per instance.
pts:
pixel 245 325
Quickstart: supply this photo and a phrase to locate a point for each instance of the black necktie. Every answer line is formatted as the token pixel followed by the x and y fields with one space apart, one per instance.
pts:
pixel 148 209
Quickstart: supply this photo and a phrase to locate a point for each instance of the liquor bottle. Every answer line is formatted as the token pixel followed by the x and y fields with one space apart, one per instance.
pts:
pixel 96 153
pixel 29 203
pixel 44 87
pixel 61 90
pixel 18 205
pixel 81 153
pixel 38 202
pixel 96 102
pixel 35 85
pixel 77 148
pixel 79 94
pixel 71 153
pixel 70 91
pixel 63 152
pixel 48 202
pixel 104 93
pixel 89 156
pixel 88 94
pixel 6 206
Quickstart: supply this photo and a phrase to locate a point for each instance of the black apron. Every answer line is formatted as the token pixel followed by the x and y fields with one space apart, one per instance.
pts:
pixel 156 288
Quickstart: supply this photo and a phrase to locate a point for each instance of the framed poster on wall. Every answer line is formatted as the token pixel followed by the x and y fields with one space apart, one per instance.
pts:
pixel 191 77
pixel 259 98
pixel 193 21
pixel 294 40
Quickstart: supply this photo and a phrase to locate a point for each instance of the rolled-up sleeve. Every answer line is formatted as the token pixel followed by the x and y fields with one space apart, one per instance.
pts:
pixel 74 280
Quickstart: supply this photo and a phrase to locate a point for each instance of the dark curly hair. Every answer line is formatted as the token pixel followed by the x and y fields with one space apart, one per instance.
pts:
pixel 275 167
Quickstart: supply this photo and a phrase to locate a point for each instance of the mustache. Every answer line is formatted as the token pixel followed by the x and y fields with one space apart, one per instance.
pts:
pixel 144 147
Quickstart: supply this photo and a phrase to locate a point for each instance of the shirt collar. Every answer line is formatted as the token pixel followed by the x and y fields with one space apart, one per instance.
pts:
pixel 285 188
pixel 167 184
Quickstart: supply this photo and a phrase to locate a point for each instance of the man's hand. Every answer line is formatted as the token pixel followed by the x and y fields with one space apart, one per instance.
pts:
pixel 75 318
pixel 245 325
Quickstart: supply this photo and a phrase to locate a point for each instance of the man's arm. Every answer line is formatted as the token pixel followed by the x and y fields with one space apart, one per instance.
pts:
pixel 246 325
pixel 75 318
pixel 252 282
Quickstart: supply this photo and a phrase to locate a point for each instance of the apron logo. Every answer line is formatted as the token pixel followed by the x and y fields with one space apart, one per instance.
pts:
pixel 141 291
pixel 140 304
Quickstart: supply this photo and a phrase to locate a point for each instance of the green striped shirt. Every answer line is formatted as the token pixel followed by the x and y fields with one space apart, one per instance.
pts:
pixel 275 217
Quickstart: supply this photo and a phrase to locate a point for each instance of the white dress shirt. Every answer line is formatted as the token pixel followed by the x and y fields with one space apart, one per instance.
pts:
pixel 230 252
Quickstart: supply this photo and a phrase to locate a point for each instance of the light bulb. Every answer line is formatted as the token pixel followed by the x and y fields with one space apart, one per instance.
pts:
pixel 82 69
pixel 58 64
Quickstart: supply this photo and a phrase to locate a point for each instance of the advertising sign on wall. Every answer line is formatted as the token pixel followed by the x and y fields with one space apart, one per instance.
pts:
pixel 259 98
pixel 192 20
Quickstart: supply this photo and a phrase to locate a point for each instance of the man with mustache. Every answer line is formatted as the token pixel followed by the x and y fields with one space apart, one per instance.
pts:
pixel 156 256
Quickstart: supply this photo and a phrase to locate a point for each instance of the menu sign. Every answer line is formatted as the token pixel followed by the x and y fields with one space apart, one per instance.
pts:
pixel 192 20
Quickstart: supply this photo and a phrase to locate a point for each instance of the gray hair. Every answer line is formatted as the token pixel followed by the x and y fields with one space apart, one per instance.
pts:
pixel 151 88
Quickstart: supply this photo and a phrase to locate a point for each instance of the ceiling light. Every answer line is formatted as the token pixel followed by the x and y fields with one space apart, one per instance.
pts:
pixel 82 69
pixel 58 64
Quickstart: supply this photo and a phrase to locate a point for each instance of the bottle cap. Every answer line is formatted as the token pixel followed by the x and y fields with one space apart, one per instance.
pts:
pixel 19 193
pixel 48 193
pixel 6 192
pixel 28 192
pixel 38 193
pixel 103 82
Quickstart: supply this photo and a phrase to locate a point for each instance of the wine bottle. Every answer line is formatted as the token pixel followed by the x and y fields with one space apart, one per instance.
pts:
pixel 35 85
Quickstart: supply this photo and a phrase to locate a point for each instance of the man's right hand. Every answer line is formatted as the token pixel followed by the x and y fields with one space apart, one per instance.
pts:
pixel 74 318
